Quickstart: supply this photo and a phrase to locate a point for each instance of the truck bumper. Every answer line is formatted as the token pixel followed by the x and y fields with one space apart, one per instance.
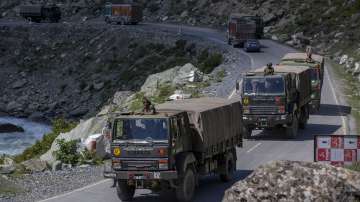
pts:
pixel 314 106
pixel 142 175
pixel 266 121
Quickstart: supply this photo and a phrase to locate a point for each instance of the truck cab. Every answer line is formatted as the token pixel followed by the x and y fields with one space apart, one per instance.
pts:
pixel 273 101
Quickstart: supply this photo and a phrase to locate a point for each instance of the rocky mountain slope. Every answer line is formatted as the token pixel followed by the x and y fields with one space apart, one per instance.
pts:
pixel 66 70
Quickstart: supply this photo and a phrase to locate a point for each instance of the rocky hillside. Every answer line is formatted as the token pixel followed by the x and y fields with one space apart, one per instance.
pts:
pixel 71 70
pixel 296 181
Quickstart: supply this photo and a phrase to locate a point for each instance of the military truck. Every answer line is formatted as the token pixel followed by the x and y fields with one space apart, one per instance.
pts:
pixel 240 29
pixel 259 25
pixel 124 13
pixel 280 99
pixel 316 64
pixel 172 147
pixel 38 13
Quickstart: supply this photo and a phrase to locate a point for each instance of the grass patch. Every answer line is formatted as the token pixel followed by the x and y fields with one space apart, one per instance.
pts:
pixel 43 145
pixel 351 91
pixel 220 75
pixel 354 167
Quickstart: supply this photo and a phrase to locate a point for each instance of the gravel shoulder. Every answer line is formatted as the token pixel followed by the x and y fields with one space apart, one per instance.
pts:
pixel 39 186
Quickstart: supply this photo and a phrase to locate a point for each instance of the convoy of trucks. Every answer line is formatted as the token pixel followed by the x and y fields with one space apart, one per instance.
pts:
pixel 38 13
pixel 123 13
pixel 172 147
pixel 316 65
pixel 280 99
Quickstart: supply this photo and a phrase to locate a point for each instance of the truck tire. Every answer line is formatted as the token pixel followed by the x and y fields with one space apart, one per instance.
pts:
pixel 124 191
pixel 230 167
pixel 186 187
pixel 304 117
pixel 247 132
pixel 292 130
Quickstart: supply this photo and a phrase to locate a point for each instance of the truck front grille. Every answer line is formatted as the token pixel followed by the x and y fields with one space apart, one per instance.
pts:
pixel 264 110
pixel 139 165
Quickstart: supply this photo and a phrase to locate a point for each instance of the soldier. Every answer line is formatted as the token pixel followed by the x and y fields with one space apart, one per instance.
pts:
pixel 309 54
pixel 269 70
pixel 148 107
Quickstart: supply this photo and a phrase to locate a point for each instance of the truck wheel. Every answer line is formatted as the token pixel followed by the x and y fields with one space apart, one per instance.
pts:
pixel 247 132
pixel 186 188
pixel 230 167
pixel 291 131
pixel 124 191
pixel 304 117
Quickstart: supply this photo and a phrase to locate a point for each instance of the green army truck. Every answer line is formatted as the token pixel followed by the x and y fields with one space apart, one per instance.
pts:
pixel 280 99
pixel 316 64
pixel 172 147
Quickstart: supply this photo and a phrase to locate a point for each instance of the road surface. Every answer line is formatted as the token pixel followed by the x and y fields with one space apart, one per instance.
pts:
pixel 264 147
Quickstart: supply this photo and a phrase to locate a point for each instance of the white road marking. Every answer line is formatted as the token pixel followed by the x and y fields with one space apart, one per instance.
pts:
pixel 232 94
pixel 254 147
pixel 76 190
pixel 344 125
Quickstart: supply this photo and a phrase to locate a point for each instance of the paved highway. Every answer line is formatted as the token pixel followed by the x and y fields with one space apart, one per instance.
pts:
pixel 264 147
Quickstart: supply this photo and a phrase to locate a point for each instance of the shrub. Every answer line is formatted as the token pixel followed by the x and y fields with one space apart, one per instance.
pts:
pixel 67 152
pixel 355 167
pixel 87 156
pixel 43 145
pixel 208 61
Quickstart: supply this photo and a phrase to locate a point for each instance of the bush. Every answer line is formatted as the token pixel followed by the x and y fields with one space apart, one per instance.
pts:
pixel 87 156
pixel 355 167
pixel 67 152
pixel 208 61
pixel 43 145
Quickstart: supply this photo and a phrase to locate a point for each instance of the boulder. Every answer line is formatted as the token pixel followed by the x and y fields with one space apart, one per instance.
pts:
pixel 10 128
pixel 35 165
pixel 8 167
pixel 343 59
pixel 296 181
pixel 19 84
pixel 179 75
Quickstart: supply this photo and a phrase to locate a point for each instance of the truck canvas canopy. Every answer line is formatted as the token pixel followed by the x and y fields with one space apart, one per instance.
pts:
pixel 215 119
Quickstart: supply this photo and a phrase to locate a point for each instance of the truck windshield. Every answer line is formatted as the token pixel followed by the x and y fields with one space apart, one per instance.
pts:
pixel 314 75
pixel 264 86
pixel 154 129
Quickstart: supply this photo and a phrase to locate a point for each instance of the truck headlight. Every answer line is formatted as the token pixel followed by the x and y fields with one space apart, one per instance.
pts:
pixel 283 117
pixel 163 164
pixel 116 164
pixel 313 95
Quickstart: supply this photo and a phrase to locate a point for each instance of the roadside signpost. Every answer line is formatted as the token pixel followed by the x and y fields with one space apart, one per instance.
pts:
pixel 337 150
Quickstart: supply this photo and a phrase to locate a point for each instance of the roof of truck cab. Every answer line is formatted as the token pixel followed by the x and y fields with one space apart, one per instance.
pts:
pixel 283 69
pixel 302 56
pixel 195 105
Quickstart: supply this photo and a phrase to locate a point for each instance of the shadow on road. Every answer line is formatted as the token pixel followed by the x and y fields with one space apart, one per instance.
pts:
pixel 333 110
pixel 210 189
pixel 279 134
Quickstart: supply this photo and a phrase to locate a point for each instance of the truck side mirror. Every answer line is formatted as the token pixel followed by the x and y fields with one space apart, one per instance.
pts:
pixel 237 86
